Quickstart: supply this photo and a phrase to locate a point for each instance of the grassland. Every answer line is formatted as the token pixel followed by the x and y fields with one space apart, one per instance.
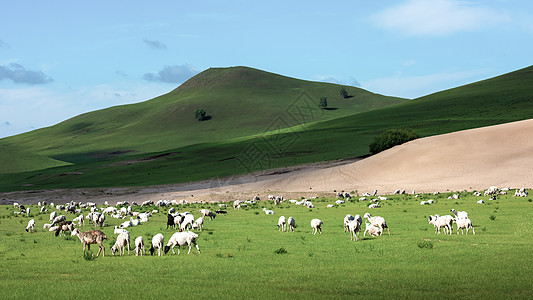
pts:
pixel 244 255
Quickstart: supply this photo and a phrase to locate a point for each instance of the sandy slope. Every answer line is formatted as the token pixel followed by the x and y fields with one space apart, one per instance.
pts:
pixel 499 155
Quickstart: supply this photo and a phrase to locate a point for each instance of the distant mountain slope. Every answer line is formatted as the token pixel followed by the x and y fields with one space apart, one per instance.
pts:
pixel 239 101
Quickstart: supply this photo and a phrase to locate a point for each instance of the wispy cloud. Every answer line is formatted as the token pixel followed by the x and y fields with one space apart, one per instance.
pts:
pixel 3 44
pixel 436 17
pixel 338 80
pixel 18 74
pixel 172 74
pixel 157 45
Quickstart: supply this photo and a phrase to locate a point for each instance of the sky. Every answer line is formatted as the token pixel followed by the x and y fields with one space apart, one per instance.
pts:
pixel 59 59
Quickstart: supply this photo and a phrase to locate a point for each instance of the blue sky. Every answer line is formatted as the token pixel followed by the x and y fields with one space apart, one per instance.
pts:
pixel 59 58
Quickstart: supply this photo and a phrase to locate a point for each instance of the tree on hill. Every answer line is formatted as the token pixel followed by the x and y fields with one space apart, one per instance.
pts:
pixel 323 103
pixel 344 93
pixel 199 114
pixel 391 138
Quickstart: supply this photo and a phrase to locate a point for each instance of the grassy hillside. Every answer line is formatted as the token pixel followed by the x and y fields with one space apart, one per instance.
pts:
pixel 243 255
pixel 498 100
pixel 239 102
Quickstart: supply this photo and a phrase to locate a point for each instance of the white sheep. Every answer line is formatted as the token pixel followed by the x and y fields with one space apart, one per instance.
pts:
pixel 139 246
pixel 59 219
pixel 236 204
pixel 80 219
pixel 182 239
pixel 282 223
pixel 187 222
pixel 135 222
pixel 207 213
pixel 119 230
pixel 372 230
pixel 354 227
pixel 123 240
pixel 198 223
pixel 268 211
pixel 464 224
pixel 374 205
pixel 480 201
pixel 31 225
pixel 126 224
pixel 53 215
pixel 441 222
pixel 316 224
pixel 291 224
pixel 157 243
pixel 347 219
pixel 46 226
pixel 377 221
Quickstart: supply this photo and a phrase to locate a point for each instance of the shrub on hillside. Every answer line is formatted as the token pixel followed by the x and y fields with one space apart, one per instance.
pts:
pixel 391 138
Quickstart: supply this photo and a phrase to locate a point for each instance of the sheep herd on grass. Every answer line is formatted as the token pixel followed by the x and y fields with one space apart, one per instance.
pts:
pixel 185 222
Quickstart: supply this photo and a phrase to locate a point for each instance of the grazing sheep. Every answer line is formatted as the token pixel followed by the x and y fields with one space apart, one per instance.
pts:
pixel 330 205
pixel 126 224
pixel 372 230
pixel 374 205
pixel 59 219
pixel 268 211
pixel 47 226
pixel 188 220
pixel 139 246
pixel 282 223
pixel 31 225
pixel 135 222
pixel 64 226
pixel 182 239
pixel 316 224
pixel 377 221
pixel 53 228
pixel 198 223
pixel 157 243
pixel 441 222
pixel 480 201
pixel 236 204
pixel 520 193
pixel 53 215
pixel 460 214
pixel 119 230
pixel 221 212
pixel 291 223
pixel 207 213
pixel 354 227
pixel 464 224
pixel 123 240
pixel 91 237
pixel 170 221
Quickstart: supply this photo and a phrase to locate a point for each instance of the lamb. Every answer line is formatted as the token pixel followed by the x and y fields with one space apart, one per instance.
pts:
pixel 268 211
pixel 316 224
pixel 53 215
pixel 372 230
pixel 31 225
pixel 126 224
pixel 440 222
pixel 139 246
pixel 182 239
pixel 65 226
pixel 157 243
pixel 58 219
pixel 236 204
pixel 47 226
pixel 464 224
pixel 91 237
pixel 123 240
pixel 207 213
pixel 80 219
pixel 377 221
pixel 291 223
pixel 282 223
pixel 188 220
pixel 460 214
pixel 199 223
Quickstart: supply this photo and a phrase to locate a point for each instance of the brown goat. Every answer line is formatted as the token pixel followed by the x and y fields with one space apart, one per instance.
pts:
pixel 91 237
pixel 64 226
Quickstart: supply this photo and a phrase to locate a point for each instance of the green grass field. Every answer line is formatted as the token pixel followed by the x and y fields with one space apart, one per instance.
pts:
pixel 245 256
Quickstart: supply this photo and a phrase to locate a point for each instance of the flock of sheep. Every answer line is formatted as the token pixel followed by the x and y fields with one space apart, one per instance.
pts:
pixel 185 222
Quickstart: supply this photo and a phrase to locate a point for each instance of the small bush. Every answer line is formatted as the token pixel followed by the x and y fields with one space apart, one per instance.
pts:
pixel 425 244
pixel 492 217
pixel 281 251
pixel 391 138
pixel 88 256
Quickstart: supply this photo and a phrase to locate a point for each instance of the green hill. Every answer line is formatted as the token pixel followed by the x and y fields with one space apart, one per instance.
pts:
pixel 497 100
pixel 239 102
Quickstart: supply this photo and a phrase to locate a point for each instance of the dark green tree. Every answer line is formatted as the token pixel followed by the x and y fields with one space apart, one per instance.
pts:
pixel 199 114
pixel 323 103
pixel 391 138
pixel 344 93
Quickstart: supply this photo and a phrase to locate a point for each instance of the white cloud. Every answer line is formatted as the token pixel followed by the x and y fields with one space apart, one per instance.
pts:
pixel 172 74
pixel 437 17
pixel 417 86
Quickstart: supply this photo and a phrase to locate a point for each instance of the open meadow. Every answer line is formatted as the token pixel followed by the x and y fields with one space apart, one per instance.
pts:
pixel 243 255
